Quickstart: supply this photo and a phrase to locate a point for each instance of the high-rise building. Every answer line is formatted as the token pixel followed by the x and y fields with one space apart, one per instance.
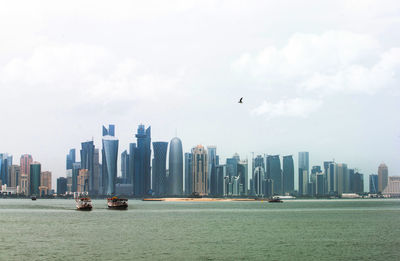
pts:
pixel 131 168
pixel 70 158
pixel 5 164
pixel 110 153
pixel 159 168
pixel 258 181
pixel 97 188
pixel 199 174
pixel 124 166
pixel 341 172
pixel 175 178
pixel 25 163
pixel 87 162
pixel 61 186
pixel 242 169
pixel 83 181
pixel 274 172
pixel 320 184
pixel 45 183
pixel 331 179
pixel 188 173
pixel 212 162
pixel 35 170
pixel 383 175
pixel 24 184
pixel 288 174
pixel 358 183
pixel 76 166
pixel 373 184
pixel 142 154
pixel 218 188
pixel 15 175
pixel 315 170
pixel 231 166
pixel 303 172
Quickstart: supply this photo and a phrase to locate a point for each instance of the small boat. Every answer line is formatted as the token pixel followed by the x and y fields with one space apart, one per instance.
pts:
pixel 275 200
pixel 117 203
pixel 83 203
pixel 33 197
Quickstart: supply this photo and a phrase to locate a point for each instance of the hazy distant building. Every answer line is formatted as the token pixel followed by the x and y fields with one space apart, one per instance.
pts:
pixel 358 183
pixel 258 179
pixel 319 184
pixel 61 186
pixel 45 181
pixel 76 166
pixel 24 184
pixel 199 170
pixel 124 166
pixel 274 172
pixel 83 181
pixel 25 162
pixel 142 154
pixel 218 187
pixel 393 187
pixel 35 170
pixel 331 179
pixel 242 169
pixel 110 153
pixel 288 174
pixel 5 164
pixel 212 162
pixel 188 173
pixel 175 178
pixel 159 168
pixel 341 172
pixel 303 172
pixel 15 175
pixel 87 162
pixel 70 158
pixel 383 174
pixel 373 184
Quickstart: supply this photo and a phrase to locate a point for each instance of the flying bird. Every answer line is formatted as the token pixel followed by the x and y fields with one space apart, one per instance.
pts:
pixel 241 100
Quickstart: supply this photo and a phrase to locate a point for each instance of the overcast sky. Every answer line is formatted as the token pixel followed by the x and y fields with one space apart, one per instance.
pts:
pixel 317 76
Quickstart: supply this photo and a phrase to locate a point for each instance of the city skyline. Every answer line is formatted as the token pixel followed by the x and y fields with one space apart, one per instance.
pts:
pixel 328 87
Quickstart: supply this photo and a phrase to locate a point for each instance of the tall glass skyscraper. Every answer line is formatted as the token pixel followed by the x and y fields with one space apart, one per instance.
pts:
pixel 87 155
pixel 110 153
pixel 5 164
pixel 274 173
pixel 373 184
pixel 288 174
pixel 382 177
pixel 70 158
pixel 159 168
pixel 188 173
pixel 124 166
pixel 212 162
pixel 175 178
pixel 304 169
pixel 76 167
pixel 142 175
pixel 131 169
pixel 35 170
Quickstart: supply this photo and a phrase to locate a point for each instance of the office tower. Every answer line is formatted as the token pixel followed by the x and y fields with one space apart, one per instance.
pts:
pixel 124 166
pixel 70 159
pixel 274 172
pixel 219 180
pixel 331 179
pixel 268 186
pixel 235 186
pixel 96 172
pixel 131 164
pixel 326 167
pixel 349 183
pixel 303 172
pixel 373 184
pixel 110 153
pixel 142 154
pixel 45 183
pixel 212 162
pixel 259 162
pixel 320 184
pixel 288 174
pixel 15 175
pixel 341 170
pixel 358 183
pixel 188 173
pixel 69 180
pixel 393 187
pixel 382 177
pixel 76 166
pixel 231 166
pixel 175 178
pixel 159 168
pixel 5 164
pixel 35 170
pixel 83 181
pixel 199 174
pixel 25 163
pixel 258 181
pixel 315 170
pixel 61 186
pixel 23 184
pixel 242 169
pixel 87 162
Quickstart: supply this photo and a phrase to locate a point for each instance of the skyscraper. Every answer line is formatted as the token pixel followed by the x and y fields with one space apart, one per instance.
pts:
pixel 159 170
pixel 124 166
pixel 258 181
pixel 199 174
pixel 142 154
pixel 87 162
pixel 45 182
pixel 83 181
pixel 96 172
pixel 242 169
pixel 25 163
pixel 341 170
pixel 110 153
pixel 373 184
pixel 15 175
pixel 131 169
pixel 70 158
pixel 288 174
pixel 61 186
pixel 331 178
pixel 358 183
pixel 382 177
pixel 303 172
pixel 5 164
pixel 188 173
pixel 274 172
pixel 35 171
pixel 212 162
pixel 76 166
pixel 175 178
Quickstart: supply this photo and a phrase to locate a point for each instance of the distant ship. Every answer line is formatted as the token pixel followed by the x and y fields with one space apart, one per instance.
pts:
pixel 83 202
pixel 117 203
pixel 33 197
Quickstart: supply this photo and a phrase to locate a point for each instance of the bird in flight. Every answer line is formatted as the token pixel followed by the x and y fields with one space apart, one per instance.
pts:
pixel 241 100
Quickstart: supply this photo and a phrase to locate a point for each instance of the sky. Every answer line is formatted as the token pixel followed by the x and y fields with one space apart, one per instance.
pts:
pixel 316 76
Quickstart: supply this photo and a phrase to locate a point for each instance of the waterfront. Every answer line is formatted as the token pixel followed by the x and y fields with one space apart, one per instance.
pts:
pixel 295 230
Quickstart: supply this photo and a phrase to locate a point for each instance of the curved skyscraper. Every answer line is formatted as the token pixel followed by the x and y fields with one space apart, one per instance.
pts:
pixel 110 146
pixel 159 167
pixel 175 178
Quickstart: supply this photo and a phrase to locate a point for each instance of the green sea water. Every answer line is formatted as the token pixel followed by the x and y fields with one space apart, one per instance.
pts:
pixel 294 230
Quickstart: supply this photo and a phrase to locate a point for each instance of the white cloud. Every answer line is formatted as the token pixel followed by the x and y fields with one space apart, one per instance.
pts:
pixel 295 107
pixel 321 64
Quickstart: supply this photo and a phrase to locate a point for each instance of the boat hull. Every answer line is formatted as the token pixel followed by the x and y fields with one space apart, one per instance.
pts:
pixel 117 203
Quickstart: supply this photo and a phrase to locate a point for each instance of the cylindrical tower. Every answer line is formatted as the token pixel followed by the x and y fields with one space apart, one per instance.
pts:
pixel 175 178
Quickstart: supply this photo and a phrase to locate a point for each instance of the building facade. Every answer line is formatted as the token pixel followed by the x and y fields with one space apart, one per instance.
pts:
pixel 383 175
pixel 199 170
pixel 175 178
pixel 159 168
